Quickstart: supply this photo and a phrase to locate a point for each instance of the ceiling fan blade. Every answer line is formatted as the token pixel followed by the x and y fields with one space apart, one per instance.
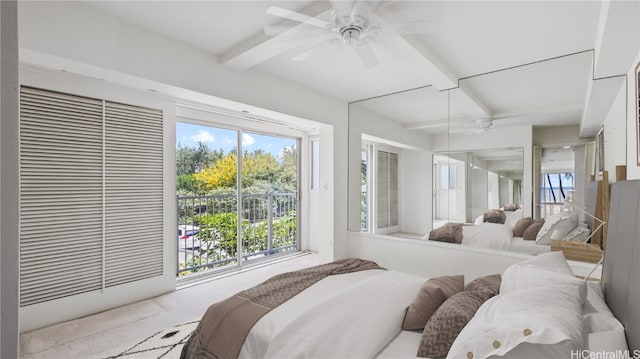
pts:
pixel 366 55
pixel 410 28
pixel 364 8
pixel 297 16
pixel 342 8
pixel 275 30
pixel 305 53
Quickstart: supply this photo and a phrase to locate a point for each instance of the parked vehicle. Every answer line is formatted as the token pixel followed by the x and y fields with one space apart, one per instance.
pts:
pixel 187 239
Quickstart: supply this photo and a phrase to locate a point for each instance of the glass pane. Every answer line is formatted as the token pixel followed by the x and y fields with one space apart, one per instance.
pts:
pixel 269 195
pixel 315 165
pixel 206 187
pixel 444 176
pixel 364 191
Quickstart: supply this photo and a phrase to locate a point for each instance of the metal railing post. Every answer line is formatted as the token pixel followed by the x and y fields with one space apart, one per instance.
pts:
pixel 270 223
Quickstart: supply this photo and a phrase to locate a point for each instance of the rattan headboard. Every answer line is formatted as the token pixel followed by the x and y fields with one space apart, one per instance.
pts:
pixel 622 258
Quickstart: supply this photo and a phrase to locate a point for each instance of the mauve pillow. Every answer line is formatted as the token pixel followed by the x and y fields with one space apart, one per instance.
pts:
pixel 495 216
pixel 449 233
pixel 532 231
pixel 432 294
pixel 487 286
pixel 447 322
pixel 521 226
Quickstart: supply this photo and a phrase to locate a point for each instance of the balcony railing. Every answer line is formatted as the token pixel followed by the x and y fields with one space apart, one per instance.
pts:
pixel 208 229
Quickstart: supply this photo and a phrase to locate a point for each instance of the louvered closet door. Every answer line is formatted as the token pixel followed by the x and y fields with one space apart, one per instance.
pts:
pixel 91 194
pixel 60 195
pixel 133 179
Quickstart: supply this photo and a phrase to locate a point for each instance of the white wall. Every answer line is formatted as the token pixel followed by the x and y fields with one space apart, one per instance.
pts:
pixel 480 200
pixel 392 133
pixel 9 181
pixel 633 170
pixel 513 136
pixel 615 139
pixel 81 39
pixel 415 191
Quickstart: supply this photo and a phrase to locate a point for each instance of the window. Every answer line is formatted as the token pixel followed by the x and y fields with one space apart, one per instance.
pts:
pixel 448 177
pixel 253 196
pixel 555 187
pixel 364 190
pixel 315 164
pixel 386 190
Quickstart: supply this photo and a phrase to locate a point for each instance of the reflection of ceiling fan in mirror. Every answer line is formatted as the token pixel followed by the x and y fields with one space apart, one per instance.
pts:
pixel 482 125
pixel 355 23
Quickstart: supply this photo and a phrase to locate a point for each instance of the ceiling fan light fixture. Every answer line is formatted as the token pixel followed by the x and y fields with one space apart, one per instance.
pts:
pixel 351 33
pixel 484 124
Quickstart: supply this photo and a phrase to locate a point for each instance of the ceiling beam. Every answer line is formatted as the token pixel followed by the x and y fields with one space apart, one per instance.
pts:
pixel 515 113
pixel 442 77
pixel 261 47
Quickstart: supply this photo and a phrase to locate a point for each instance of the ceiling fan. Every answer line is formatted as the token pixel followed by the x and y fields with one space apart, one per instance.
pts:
pixel 482 125
pixel 353 23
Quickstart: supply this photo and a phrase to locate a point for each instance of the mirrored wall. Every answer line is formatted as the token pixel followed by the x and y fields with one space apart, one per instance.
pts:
pixel 469 183
pixel 422 157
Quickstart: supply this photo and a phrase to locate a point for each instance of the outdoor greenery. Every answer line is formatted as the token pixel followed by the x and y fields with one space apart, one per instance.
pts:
pixel 202 171
pixel 208 179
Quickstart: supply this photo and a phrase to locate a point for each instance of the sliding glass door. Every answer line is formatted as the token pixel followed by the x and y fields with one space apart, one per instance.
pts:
pixel 224 197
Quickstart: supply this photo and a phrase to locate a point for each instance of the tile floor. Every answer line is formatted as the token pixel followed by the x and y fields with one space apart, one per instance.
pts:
pixel 89 336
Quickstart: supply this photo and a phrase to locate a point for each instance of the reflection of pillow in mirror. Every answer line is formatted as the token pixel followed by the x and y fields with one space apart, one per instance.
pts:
pixel 515 216
pixel 532 231
pixel 495 216
pixel 580 233
pixel 449 233
pixel 511 207
pixel 521 225
pixel 562 222
pixel 479 220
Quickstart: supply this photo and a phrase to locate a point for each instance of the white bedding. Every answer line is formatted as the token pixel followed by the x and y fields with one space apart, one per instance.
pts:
pixel 367 309
pixel 499 236
pixel 405 344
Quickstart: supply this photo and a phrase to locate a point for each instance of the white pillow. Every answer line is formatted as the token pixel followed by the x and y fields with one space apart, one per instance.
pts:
pixel 548 318
pixel 563 222
pixel 596 315
pixel 514 217
pixel 580 233
pixel 479 220
pixel 544 270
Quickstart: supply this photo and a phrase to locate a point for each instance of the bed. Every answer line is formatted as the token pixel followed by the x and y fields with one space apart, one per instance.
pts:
pixel 360 314
pixel 504 235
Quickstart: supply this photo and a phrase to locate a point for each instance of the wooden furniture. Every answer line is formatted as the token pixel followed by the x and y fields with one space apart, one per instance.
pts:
pixel 577 251
pixel 597 204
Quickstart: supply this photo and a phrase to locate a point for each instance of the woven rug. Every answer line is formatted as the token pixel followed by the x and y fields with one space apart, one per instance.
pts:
pixel 166 344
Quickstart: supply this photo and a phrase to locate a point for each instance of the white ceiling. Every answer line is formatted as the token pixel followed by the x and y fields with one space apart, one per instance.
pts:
pixel 510 61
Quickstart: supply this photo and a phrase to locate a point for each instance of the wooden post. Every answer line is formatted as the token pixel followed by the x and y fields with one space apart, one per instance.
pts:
pixel 621 173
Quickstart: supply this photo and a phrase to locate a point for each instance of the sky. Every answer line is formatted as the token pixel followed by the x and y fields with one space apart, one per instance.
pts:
pixel 188 135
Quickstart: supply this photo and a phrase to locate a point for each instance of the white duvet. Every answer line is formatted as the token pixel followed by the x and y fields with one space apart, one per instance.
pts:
pixel 350 315
pixel 488 235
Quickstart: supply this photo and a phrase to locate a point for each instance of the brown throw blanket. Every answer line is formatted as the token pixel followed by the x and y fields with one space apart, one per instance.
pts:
pixel 226 324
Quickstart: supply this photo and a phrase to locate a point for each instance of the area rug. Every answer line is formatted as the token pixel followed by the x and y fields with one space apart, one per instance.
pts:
pixel 165 344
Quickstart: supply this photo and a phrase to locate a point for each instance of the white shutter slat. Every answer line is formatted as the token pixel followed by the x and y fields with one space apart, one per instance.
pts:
pixel 60 157
pixel 134 192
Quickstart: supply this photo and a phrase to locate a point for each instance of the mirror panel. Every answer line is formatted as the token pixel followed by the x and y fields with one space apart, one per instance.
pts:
pixel 469 183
